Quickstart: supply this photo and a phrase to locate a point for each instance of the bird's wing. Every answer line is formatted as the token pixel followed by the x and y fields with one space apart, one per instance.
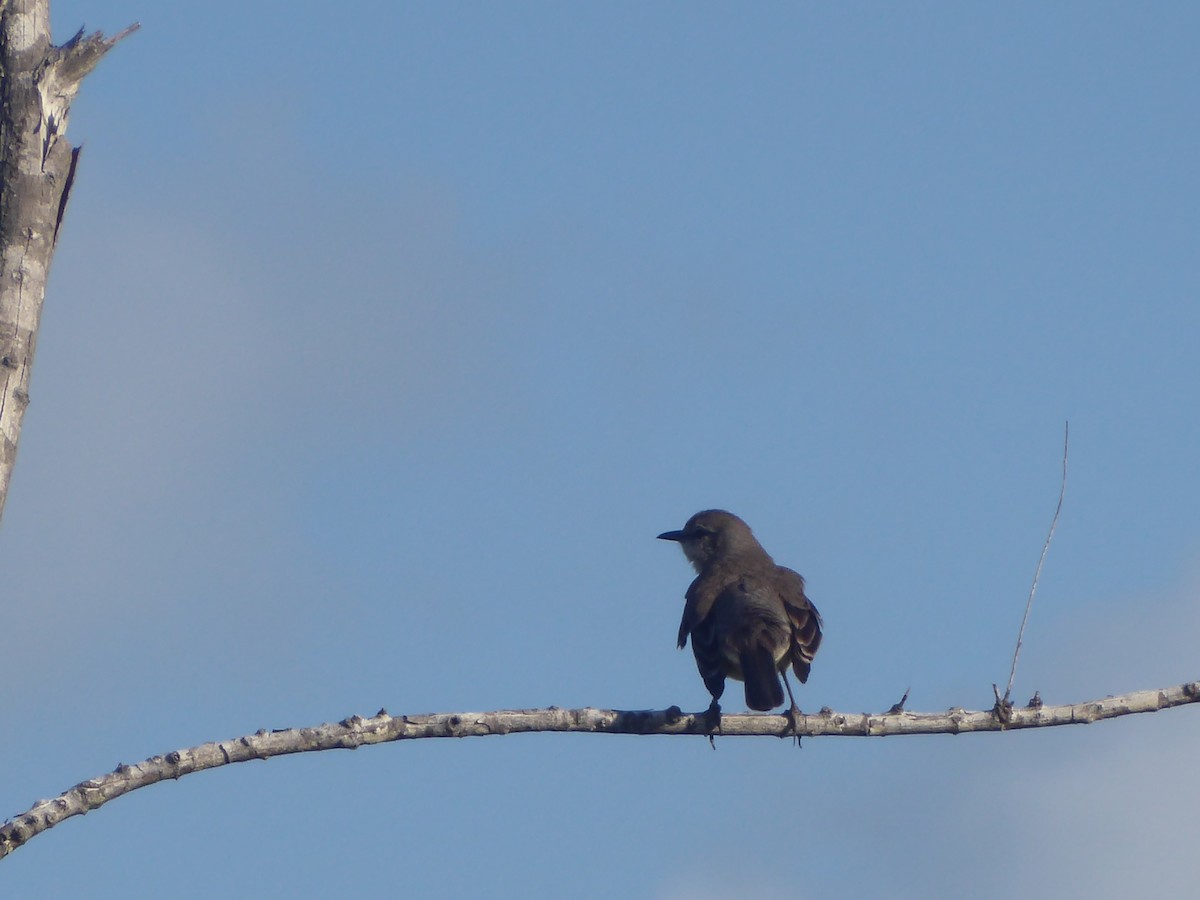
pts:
pixel 690 619
pixel 805 621
pixel 709 650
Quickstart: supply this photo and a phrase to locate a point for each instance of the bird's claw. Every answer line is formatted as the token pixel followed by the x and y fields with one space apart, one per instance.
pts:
pixel 713 721
pixel 793 717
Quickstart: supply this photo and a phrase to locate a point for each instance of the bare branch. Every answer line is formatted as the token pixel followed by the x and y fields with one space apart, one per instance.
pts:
pixel 78 56
pixel 356 731
pixel 1062 492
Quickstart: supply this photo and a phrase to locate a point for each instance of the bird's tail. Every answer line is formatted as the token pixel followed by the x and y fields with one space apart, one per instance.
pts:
pixel 763 688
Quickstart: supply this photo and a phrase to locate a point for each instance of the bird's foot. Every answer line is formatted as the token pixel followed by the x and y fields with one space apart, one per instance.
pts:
pixel 793 716
pixel 713 722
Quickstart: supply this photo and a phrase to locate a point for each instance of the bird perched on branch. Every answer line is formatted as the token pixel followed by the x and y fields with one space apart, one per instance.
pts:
pixel 748 618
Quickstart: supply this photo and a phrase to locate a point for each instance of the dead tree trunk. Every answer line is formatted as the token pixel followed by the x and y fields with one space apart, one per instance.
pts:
pixel 38 82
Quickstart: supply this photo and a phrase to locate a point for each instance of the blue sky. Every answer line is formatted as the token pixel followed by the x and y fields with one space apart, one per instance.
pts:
pixel 381 342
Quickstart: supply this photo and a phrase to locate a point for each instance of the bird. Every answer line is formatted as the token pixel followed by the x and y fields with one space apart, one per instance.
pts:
pixel 748 618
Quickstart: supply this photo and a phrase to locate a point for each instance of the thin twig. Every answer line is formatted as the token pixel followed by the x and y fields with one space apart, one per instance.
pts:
pixel 1038 572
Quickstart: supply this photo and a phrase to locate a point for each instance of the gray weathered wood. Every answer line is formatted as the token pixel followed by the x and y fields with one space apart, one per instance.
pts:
pixel 354 732
pixel 38 82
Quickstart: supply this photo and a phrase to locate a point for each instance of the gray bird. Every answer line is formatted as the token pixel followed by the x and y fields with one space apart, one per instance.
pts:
pixel 748 618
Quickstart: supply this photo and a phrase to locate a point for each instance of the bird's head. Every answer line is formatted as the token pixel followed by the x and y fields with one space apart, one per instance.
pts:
pixel 710 534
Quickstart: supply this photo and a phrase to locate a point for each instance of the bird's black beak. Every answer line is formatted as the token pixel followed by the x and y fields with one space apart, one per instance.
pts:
pixel 671 536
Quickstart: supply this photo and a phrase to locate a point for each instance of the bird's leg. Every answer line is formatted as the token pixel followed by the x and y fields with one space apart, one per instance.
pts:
pixel 716 687
pixel 713 720
pixel 793 714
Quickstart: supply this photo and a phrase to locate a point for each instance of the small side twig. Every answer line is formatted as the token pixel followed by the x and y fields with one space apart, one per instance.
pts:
pixel 1036 575
pixel 1003 708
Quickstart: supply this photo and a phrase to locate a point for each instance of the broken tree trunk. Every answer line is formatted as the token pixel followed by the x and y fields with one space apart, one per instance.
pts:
pixel 38 82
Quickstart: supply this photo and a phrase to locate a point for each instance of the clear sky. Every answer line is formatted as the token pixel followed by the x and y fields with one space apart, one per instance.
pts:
pixel 383 338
